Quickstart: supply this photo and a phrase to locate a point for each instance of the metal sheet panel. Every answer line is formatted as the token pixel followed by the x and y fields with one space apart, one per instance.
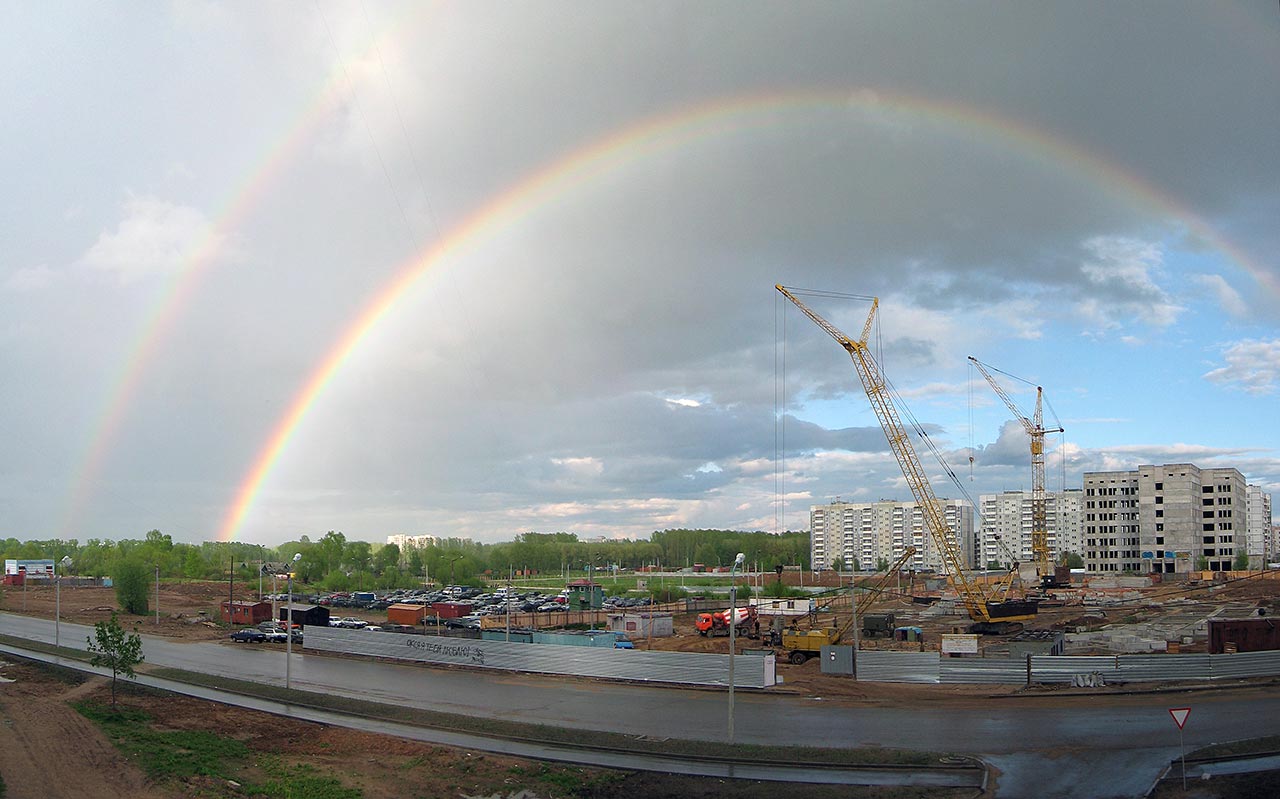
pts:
pixel 986 671
pixel 1244 664
pixel 1163 668
pixel 874 666
pixel 687 668
pixel 1058 669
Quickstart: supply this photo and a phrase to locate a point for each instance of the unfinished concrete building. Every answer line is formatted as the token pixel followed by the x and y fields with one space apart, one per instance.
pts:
pixel 1173 518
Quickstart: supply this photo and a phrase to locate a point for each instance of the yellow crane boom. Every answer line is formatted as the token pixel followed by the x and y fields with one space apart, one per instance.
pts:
pixel 1039 504
pixel 987 615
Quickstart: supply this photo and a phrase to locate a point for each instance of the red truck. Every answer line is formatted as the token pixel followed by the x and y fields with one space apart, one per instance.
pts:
pixel 712 624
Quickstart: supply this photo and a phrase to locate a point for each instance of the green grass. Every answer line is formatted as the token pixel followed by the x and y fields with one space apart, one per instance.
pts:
pixel 164 753
pixel 181 754
pixel 1253 746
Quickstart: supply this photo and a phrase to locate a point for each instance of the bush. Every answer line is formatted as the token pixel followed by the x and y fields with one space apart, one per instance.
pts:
pixel 132 581
pixel 778 590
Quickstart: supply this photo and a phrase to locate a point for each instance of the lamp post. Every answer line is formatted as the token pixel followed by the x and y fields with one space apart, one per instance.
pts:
pixel 733 626
pixel 288 641
pixel 57 598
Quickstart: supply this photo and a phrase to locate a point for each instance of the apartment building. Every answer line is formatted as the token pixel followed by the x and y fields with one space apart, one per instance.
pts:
pixel 1005 532
pixel 416 541
pixel 1172 518
pixel 874 534
pixel 1259 532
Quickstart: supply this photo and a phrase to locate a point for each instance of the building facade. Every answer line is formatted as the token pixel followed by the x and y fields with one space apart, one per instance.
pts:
pixel 1172 518
pixel 1260 539
pixel 872 535
pixel 1004 536
pixel 416 541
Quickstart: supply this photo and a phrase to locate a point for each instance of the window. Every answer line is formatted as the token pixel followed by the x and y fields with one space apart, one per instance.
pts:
pixel 1159 514
pixel 1159 500
pixel 1159 486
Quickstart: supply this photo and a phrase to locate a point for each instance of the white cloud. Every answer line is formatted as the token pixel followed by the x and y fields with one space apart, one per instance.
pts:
pixel 155 237
pixel 581 467
pixel 1122 276
pixel 1228 298
pixel 30 278
pixel 1253 366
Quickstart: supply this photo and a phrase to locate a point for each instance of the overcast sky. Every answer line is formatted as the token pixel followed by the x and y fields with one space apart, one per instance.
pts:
pixel 201 202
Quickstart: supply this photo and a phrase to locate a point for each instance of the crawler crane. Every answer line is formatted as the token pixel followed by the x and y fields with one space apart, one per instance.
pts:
pixel 1039 506
pixel 988 615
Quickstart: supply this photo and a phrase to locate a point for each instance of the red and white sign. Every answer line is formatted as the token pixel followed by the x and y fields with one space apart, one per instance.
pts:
pixel 1180 715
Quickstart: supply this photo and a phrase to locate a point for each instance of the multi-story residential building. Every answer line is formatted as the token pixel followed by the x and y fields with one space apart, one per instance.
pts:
pixel 1005 533
pixel 874 534
pixel 1170 518
pixel 1258 528
pixel 417 541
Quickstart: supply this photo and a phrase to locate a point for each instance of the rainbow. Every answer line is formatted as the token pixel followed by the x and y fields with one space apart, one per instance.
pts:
pixel 667 131
pixel 176 293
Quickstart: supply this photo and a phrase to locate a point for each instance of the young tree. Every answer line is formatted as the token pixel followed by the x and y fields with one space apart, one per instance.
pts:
pixel 132 581
pixel 115 649
pixel 1242 561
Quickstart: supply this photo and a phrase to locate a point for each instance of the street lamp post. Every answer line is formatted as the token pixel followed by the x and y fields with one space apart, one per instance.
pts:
pixel 288 641
pixel 57 598
pixel 733 625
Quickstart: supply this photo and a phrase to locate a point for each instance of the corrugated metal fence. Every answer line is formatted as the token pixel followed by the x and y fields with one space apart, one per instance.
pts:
pixel 931 667
pixel 687 668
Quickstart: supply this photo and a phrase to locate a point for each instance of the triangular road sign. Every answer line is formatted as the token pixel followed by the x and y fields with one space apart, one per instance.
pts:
pixel 1180 715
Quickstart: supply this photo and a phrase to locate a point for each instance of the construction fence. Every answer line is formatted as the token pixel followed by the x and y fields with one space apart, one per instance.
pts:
pixel 685 668
pixel 933 667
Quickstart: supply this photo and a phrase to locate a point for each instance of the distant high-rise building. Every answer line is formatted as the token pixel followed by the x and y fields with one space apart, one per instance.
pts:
pixel 875 534
pixel 1005 532
pixel 416 541
pixel 1258 528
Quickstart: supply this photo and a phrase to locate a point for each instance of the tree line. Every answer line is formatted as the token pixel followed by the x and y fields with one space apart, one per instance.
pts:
pixel 334 563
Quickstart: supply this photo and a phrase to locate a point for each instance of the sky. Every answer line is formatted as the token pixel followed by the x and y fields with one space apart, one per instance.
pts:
pixel 474 269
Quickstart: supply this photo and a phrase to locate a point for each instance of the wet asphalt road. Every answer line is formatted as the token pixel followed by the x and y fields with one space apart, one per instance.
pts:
pixel 1083 749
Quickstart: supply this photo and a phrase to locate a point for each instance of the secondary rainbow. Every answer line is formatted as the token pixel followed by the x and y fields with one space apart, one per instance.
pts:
pixel 178 290
pixel 666 131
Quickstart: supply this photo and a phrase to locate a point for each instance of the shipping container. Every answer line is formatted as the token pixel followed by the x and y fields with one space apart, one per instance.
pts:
pixel 452 610
pixel 1244 635
pixel 407 614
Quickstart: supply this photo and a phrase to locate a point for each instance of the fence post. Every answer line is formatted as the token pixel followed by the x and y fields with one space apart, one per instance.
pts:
pixel 1028 669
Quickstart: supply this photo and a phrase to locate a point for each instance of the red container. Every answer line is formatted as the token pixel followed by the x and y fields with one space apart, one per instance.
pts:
pixel 451 610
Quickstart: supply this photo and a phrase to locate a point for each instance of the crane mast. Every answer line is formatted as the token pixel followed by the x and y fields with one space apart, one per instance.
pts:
pixel 1039 504
pixel 988 616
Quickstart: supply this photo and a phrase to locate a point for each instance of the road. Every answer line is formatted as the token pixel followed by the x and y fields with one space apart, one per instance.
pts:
pixel 1043 748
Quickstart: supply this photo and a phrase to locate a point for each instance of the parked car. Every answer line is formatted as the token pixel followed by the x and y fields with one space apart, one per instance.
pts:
pixel 351 622
pixel 249 635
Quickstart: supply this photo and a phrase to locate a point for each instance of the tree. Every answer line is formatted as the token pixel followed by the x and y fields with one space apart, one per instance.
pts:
pixel 1242 561
pixel 1072 560
pixel 132 580
pixel 115 649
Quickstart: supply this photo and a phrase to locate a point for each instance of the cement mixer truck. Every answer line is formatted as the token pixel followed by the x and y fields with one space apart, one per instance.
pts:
pixel 713 624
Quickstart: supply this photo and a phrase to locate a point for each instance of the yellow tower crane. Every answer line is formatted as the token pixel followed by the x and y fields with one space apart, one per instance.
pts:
pixel 1039 504
pixel 988 615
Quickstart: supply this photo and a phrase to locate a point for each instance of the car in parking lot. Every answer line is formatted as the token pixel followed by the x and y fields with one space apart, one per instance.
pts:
pixel 351 622
pixel 249 635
